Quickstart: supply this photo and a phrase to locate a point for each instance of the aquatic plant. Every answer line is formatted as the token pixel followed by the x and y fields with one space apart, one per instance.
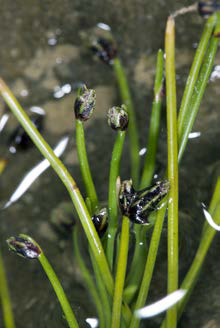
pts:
pixel 143 205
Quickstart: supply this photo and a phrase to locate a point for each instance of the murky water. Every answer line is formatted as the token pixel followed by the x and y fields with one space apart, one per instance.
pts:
pixel 43 61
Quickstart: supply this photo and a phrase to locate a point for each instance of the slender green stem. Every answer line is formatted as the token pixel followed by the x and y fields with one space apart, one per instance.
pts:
pixel 68 181
pixel 132 127
pixel 150 263
pixel 59 291
pixel 140 253
pixel 87 278
pixel 5 298
pixel 150 159
pixel 112 195
pixel 193 273
pixel 84 165
pixel 120 274
pixel 194 72
pixel 172 168
pixel 106 309
pixel 134 277
pixel 198 93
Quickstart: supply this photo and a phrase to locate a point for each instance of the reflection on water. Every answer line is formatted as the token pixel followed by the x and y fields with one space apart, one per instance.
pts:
pixel 34 173
pixel 93 322
pixel 3 121
pixel 209 218
pixel 215 73
pixel 161 305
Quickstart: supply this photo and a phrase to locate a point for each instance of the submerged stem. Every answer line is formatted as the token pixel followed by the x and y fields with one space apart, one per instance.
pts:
pixel 150 263
pixel 59 291
pixel 194 72
pixel 149 165
pixel 198 91
pixel 102 292
pixel 88 279
pixel 132 127
pixel 112 196
pixel 84 165
pixel 120 274
pixel 5 298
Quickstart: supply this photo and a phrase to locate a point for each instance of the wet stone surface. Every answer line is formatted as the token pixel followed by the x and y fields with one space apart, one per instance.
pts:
pixel 43 61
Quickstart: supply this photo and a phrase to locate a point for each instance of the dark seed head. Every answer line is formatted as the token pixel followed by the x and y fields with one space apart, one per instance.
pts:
pixel 84 104
pixel 118 118
pixel 126 196
pixel 100 221
pixel 24 246
pixel 138 205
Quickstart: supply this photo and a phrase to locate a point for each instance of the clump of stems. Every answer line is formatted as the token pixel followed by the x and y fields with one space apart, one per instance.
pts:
pixel 112 293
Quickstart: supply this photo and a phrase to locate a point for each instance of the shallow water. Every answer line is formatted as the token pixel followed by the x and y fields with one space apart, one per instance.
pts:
pixel 42 60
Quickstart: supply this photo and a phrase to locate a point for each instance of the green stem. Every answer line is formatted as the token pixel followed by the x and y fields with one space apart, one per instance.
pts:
pixel 88 279
pixel 192 275
pixel 135 276
pixel 106 309
pixel 112 196
pixel 59 291
pixel 149 165
pixel 172 168
pixel 194 72
pixel 120 274
pixel 132 126
pixel 140 253
pixel 5 298
pixel 150 263
pixel 84 165
pixel 199 90
pixel 68 181
pixel 153 249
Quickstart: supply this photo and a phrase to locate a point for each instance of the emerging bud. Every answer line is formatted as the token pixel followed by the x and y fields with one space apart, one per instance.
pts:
pixel 85 103
pixel 118 118
pixel 24 246
pixel 207 8
pixel 100 221
pixel 137 205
